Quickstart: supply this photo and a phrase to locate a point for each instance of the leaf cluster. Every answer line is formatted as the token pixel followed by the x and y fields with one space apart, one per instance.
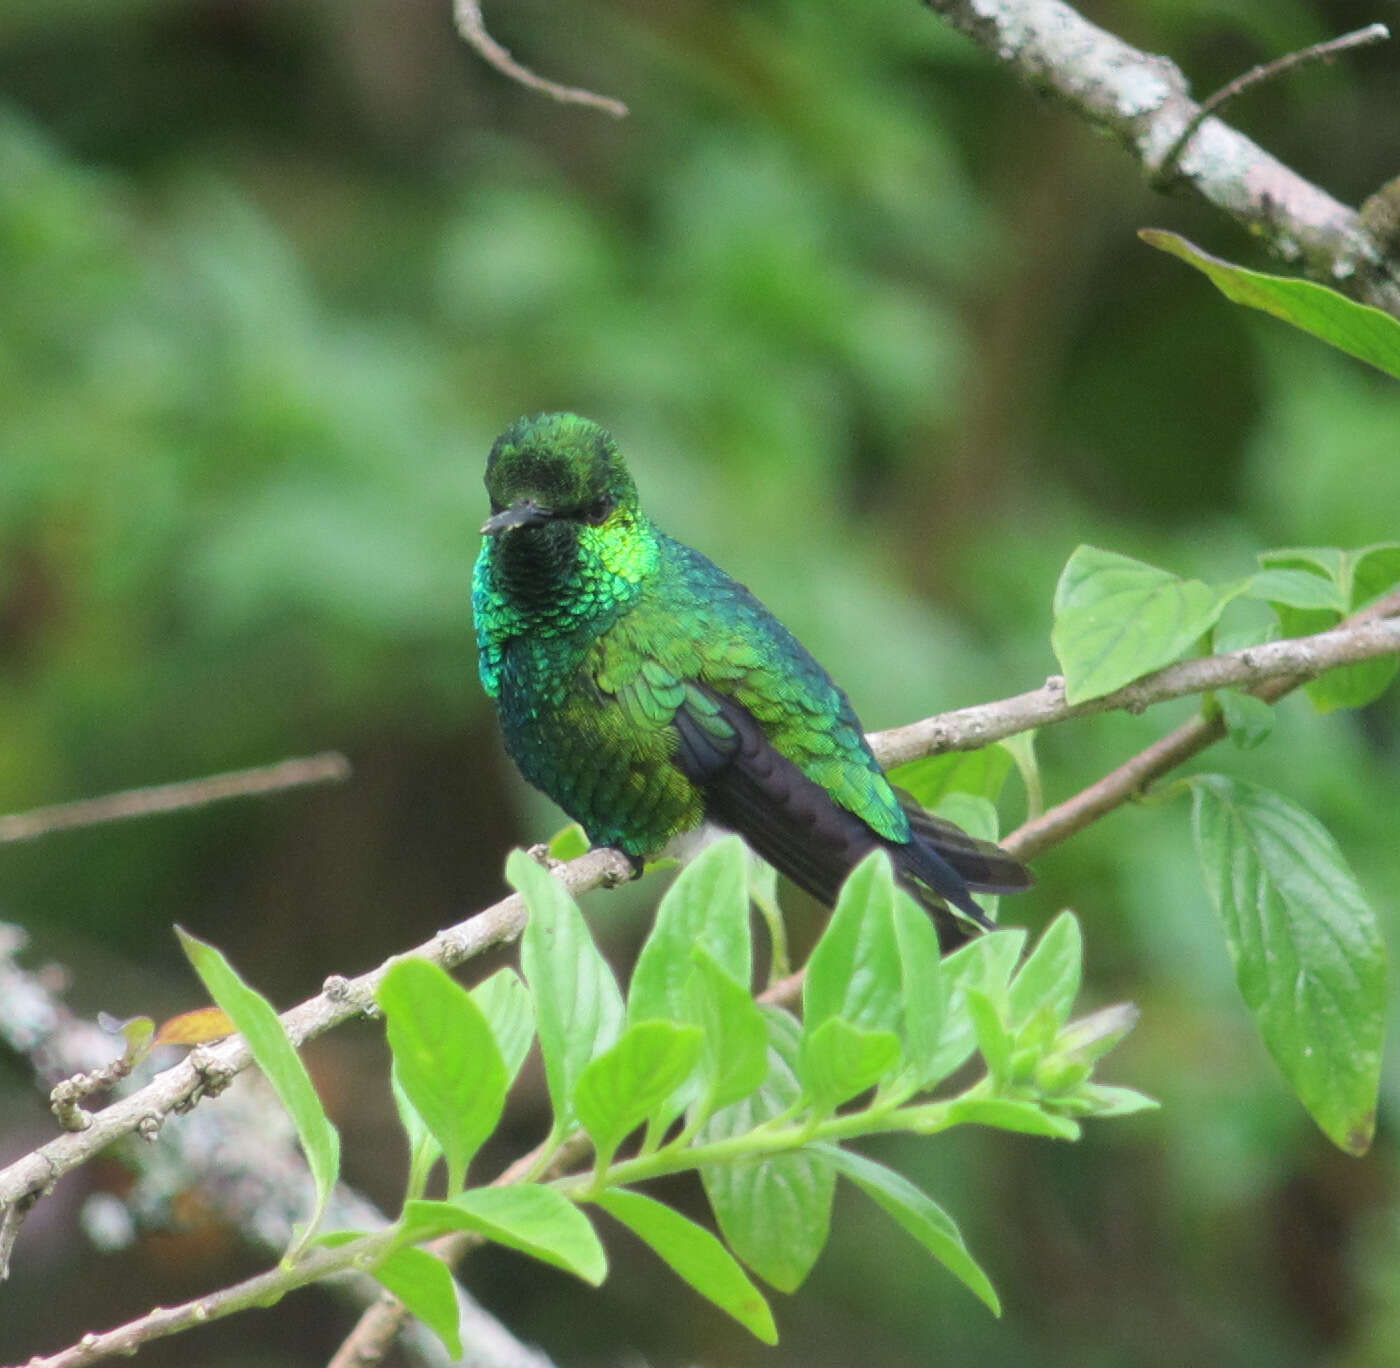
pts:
pixel 689 1072
pixel 1306 944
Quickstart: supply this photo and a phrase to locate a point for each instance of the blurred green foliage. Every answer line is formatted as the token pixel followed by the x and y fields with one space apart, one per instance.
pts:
pixel 874 330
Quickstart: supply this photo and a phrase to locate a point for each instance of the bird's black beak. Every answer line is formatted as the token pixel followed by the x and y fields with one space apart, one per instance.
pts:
pixel 526 513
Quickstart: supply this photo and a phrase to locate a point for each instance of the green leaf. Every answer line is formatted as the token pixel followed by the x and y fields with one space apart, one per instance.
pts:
pixel 1375 571
pixel 976 815
pixel 705 912
pixel 1050 976
pixel 694 1254
pixel 632 1079
pixel 993 1039
pixel 1357 577
pixel 536 1220
pixel 734 1035
pixel 776 1213
pixel 1248 719
pixel 446 1057
pixel 1006 1113
pixel 984 963
pixel 1308 952
pixel 274 1054
pixel 839 1060
pixel 987 962
pixel 423 1149
pixel 1100 1101
pixel 930 779
pixel 568 843
pixel 918 1214
pixel 424 1285
pixel 1117 619
pixel 1368 334
pixel 1325 561
pixel 1297 589
pixel 505 1003
pixel 707 905
pixel 923 998
pixel 578 1008
pixel 853 972
pixel 1352 686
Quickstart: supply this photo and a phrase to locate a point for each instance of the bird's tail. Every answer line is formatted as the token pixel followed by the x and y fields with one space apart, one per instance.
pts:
pixel 943 866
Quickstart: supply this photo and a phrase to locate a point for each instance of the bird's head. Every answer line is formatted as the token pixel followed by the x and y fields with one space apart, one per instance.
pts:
pixel 556 469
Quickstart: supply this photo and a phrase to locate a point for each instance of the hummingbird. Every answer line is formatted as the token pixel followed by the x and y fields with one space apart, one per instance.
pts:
pixel 649 694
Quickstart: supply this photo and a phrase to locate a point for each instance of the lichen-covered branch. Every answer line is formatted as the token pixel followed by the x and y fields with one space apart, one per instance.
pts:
pixel 1144 101
pixel 242 1157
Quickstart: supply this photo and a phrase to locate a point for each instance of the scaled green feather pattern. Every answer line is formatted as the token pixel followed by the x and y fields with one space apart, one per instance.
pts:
pixel 645 690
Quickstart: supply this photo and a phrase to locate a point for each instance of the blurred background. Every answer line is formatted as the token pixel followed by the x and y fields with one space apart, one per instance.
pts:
pixel 871 323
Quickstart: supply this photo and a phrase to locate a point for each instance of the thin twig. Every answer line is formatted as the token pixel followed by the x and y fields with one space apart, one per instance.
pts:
pixel 1265 71
pixel 380 1324
pixel 472 27
pixel 330 767
pixel 260 1290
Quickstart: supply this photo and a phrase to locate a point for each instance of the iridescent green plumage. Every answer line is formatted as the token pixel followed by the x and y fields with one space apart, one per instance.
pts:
pixel 645 691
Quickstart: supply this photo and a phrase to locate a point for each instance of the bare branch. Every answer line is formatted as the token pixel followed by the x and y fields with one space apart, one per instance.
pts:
pixel 1266 71
pixel 472 27
pixel 262 1290
pixel 1304 657
pixel 330 767
pixel 1143 100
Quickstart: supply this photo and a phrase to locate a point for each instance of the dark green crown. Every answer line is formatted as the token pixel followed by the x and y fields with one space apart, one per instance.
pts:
pixel 557 461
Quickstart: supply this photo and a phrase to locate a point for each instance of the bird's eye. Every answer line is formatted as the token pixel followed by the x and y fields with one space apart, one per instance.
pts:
pixel 597 511
pixel 497 507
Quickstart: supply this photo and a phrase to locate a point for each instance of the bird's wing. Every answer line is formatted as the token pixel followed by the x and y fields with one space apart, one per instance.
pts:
pixel 791 819
pixel 775 748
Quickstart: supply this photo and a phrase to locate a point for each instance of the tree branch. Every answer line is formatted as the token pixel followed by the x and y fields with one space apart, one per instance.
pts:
pixel 1144 102
pixel 1133 777
pixel 261 1290
pixel 329 767
pixel 178 1087
pixel 1272 671
pixel 242 1157
pixel 1298 658
pixel 467 16
pixel 1257 75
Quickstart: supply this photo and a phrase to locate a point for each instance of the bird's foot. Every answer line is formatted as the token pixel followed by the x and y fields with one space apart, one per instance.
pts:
pixel 615 877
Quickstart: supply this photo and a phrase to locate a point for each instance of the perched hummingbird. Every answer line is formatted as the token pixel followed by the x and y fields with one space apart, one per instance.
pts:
pixel 646 692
